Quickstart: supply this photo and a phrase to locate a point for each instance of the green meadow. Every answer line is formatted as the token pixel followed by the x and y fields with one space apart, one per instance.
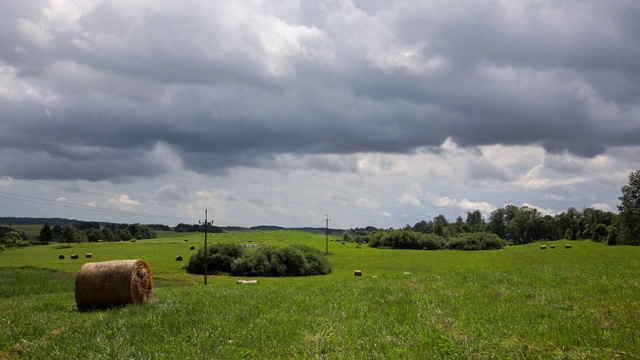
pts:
pixel 518 303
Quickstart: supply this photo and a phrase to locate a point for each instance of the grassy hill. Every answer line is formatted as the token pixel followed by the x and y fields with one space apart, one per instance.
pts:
pixel 522 302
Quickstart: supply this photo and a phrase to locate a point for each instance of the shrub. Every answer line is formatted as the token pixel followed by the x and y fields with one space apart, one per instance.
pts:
pixel 295 260
pixel 405 239
pixel 431 242
pixel 476 241
pixel 220 257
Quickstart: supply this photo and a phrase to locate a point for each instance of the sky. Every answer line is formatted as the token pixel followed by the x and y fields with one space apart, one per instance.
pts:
pixel 285 112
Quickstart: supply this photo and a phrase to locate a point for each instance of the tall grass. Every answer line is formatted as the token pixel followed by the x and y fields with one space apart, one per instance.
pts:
pixel 518 303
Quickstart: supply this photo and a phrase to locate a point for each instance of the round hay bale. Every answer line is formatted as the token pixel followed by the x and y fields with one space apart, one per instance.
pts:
pixel 567 246
pixel 552 246
pixel 543 247
pixel 102 285
pixel 192 248
pixel 357 273
pixel 185 240
pixel 88 255
pixel 179 258
pixel 75 256
pixel 99 241
pixel 61 256
pixel 132 240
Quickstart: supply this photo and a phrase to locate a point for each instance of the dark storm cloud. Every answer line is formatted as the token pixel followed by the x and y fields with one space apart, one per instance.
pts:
pixel 110 90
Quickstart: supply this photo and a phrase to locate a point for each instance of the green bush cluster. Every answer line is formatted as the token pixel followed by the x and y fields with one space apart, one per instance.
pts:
pixel 405 239
pixel 294 260
pixel 409 239
pixel 476 241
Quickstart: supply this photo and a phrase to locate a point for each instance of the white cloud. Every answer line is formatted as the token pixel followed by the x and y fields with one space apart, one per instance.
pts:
pixel 366 203
pixel 124 201
pixel 412 195
pixel 603 207
pixel 465 204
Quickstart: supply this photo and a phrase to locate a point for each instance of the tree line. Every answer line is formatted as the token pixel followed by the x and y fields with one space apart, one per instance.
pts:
pixel 518 225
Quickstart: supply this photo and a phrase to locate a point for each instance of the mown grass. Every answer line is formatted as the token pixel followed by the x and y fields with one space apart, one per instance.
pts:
pixel 518 303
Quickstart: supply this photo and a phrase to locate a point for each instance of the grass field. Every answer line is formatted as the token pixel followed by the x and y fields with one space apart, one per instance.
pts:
pixel 520 303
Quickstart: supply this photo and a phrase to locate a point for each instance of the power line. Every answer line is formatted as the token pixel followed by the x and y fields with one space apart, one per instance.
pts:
pixel 91 192
pixel 37 200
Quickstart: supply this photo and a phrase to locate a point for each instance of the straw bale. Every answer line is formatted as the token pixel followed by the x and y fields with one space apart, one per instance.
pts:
pixel 192 248
pixel 357 273
pixel 242 282
pixel 567 246
pixel 102 285
pixel 75 256
pixel 88 255
pixel 179 258
pixel 61 256
pixel 543 247
pixel 553 246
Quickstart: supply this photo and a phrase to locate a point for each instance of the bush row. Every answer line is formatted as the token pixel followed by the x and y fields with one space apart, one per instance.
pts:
pixel 233 259
pixel 408 239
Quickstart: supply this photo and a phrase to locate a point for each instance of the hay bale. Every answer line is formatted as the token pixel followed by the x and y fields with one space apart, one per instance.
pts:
pixel 74 256
pixel 192 248
pixel 99 241
pixel 179 258
pixel 88 255
pixel 357 273
pixel 61 256
pixel 102 285
pixel 543 247
pixel 185 240
pixel 132 240
pixel 242 282
pixel 567 246
pixel 552 246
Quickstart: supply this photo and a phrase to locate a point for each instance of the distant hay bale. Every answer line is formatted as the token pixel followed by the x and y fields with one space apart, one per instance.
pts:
pixel 185 240
pixel 61 256
pixel 406 273
pixel 357 273
pixel 102 285
pixel 192 248
pixel 243 282
pixel 179 258
pixel 132 240
pixel 88 255
pixel 543 247
pixel 567 246
pixel 75 256
pixel 553 246
pixel 99 241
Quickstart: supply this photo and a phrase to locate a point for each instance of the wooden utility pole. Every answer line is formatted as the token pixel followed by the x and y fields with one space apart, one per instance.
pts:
pixel 326 220
pixel 205 244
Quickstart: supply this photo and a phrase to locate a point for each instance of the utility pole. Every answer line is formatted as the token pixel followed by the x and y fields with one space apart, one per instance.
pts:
pixel 205 244
pixel 326 220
